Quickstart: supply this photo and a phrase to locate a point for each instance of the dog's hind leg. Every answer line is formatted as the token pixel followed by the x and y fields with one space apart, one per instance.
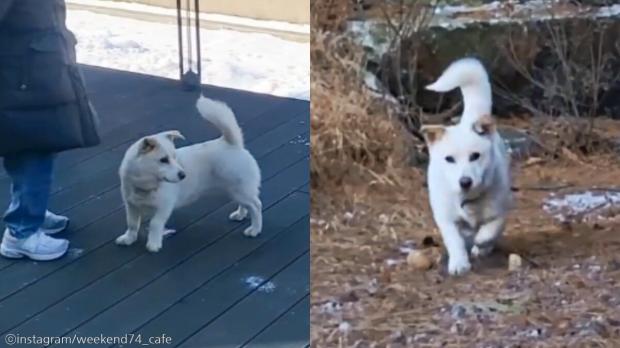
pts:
pixel 239 214
pixel 255 208
pixel 157 228
pixel 133 226
pixel 487 235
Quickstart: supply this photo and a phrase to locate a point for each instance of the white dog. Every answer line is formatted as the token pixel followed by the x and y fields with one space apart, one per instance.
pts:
pixel 469 170
pixel 156 178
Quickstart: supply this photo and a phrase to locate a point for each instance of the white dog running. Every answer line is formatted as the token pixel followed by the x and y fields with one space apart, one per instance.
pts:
pixel 156 178
pixel 469 170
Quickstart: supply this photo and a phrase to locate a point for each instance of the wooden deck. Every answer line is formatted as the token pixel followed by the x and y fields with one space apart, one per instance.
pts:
pixel 209 286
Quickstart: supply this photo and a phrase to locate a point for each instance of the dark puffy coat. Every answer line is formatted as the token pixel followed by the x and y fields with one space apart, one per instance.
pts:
pixel 43 101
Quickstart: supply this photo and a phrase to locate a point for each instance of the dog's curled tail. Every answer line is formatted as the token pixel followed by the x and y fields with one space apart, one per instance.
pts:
pixel 471 77
pixel 220 115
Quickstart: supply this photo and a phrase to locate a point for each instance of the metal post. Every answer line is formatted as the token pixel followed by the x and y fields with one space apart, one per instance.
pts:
pixel 198 62
pixel 190 79
pixel 180 34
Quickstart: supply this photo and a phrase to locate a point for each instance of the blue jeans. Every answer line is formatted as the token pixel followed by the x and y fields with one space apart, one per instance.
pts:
pixel 31 175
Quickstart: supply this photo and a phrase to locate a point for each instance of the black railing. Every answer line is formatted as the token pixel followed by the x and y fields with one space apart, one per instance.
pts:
pixel 190 79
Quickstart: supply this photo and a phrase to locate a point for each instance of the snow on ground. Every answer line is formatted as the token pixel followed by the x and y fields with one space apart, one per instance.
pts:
pixel 257 282
pixel 248 61
pixel 588 205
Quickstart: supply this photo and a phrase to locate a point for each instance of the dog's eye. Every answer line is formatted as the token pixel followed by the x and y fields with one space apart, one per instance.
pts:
pixel 165 160
pixel 474 156
pixel 450 159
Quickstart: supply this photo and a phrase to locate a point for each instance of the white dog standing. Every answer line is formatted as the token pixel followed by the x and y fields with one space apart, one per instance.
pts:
pixel 469 170
pixel 156 178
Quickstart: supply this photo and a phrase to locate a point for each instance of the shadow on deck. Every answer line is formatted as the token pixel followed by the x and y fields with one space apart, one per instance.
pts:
pixel 209 286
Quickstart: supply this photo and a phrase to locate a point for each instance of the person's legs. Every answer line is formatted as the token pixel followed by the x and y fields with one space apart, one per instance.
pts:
pixel 31 176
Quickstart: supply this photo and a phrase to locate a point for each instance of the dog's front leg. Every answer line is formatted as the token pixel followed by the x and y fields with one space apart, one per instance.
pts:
pixel 157 228
pixel 458 259
pixel 487 235
pixel 133 226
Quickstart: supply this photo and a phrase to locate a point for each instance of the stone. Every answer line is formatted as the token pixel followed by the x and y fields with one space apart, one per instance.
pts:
pixel 515 262
pixel 418 260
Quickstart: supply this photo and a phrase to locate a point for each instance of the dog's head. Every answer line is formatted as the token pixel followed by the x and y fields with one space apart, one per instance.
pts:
pixel 156 155
pixel 464 151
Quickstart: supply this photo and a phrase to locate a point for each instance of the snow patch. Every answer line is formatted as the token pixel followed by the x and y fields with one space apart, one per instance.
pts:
pixel 330 307
pixel 407 247
pixel 259 283
pixel 393 262
pixel 300 139
pixel 74 252
pixel 587 205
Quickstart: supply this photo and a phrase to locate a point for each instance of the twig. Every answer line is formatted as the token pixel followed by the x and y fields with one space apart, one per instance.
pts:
pixel 603 188
pixel 542 187
pixel 442 117
pixel 532 262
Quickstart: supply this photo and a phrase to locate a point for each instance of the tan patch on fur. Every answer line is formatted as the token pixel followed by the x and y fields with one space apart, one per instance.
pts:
pixel 485 125
pixel 147 145
pixel 433 134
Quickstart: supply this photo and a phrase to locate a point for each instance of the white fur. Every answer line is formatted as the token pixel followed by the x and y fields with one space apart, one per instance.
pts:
pixel 471 77
pixel 469 220
pixel 152 190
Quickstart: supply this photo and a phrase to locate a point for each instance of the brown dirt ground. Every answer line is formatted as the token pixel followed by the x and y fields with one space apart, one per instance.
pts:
pixel 567 294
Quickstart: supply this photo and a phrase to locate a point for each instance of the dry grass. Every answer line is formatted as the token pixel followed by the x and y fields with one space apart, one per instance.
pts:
pixel 355 134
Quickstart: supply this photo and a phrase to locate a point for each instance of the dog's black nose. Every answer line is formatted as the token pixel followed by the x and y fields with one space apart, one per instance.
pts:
pixel 465 182
pixel 181 175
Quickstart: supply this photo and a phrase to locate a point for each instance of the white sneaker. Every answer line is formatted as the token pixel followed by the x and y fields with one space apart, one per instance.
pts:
pixel 54 223
pixel 38 247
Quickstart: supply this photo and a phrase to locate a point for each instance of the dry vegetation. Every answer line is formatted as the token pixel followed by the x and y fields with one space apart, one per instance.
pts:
pixel 370 209
pixel 349 142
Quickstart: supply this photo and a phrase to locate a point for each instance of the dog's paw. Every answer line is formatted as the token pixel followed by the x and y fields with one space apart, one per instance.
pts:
pixel 238 215
pixel 458 265
pixel 479 252
pixel 251 232
pixel 153 246
pixel 126 239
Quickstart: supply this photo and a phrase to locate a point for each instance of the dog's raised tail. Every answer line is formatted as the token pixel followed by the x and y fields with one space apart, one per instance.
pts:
pixel 222 117
pixel 471 77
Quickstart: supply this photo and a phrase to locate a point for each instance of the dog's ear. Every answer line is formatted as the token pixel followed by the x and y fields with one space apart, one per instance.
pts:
pixel 147 145
pixel 174 135
pixel 432 133
pixel 485 125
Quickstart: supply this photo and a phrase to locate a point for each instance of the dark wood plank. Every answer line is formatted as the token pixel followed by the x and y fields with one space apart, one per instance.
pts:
pixel 236 326
pixel 158 112
pixel 166 104
pixel 221 292
pixel 305 188
pixel 291 330
pixel 141 306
